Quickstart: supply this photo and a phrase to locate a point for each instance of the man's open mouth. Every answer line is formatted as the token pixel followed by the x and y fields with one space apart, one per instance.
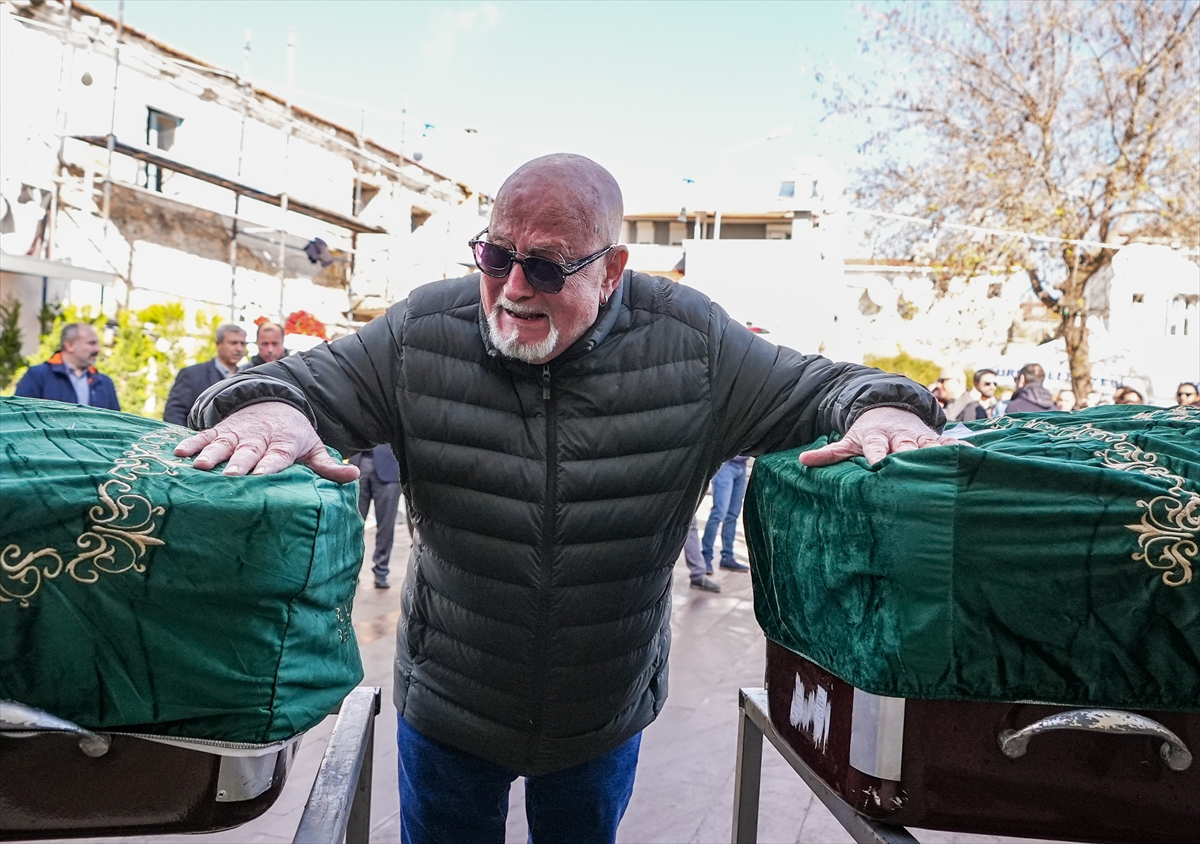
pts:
pixel 524 316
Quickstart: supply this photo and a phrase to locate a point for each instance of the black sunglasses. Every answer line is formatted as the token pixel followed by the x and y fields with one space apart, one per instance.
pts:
pixel 542 273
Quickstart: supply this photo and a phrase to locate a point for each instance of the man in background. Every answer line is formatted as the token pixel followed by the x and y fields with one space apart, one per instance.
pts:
pixel 978 403
pixel 1031 396
pixel 1186 395
pixel 379 482
pixel 269 340
pixel 1127 395
pixel 195 379
pixel 947 389
pixel 70 374
pixel 728 490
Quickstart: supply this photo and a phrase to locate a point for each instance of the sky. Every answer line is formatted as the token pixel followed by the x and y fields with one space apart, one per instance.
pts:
pixel 677 99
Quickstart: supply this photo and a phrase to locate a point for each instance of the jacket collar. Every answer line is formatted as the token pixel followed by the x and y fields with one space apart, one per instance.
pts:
pixel 56 360
pixel 593 337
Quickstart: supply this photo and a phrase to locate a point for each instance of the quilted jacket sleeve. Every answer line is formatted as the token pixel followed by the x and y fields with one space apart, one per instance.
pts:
pixel 346 388
pixel 768 398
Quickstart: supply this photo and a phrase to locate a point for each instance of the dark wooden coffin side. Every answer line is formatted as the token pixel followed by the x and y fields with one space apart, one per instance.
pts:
pixel 50 789
pixel 1073 785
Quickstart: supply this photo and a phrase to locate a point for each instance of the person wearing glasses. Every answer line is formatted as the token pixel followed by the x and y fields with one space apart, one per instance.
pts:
pixel 1186 395
pixel 981 403
pixel 556 419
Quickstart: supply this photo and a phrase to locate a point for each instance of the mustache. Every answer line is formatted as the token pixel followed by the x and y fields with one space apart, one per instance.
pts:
pixel 513 307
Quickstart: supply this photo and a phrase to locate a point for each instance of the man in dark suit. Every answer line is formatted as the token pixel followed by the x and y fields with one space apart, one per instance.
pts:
pixel 269 340
pixel 194 380
pixel 380 481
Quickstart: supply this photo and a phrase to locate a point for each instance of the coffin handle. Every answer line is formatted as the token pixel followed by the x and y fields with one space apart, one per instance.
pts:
pixel 1174 752
pixel 20 721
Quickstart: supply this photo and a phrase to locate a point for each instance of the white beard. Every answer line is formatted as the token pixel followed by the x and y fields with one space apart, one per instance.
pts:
pixel 510 346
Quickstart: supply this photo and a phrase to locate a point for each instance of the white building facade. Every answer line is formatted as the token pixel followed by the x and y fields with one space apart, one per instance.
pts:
pixel 133 174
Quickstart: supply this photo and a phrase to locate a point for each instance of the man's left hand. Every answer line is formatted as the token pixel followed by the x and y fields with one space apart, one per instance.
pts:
pixel 877 433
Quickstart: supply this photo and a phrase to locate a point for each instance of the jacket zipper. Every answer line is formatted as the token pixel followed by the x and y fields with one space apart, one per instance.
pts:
pixel 549 526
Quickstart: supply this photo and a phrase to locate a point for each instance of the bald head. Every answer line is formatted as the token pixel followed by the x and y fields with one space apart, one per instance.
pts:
pixel 570 191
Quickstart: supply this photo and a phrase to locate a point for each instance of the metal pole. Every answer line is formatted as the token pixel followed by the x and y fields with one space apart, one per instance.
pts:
pixel 716 230
pixel 339 804
pixel 112 120
pixel 358 164
pixel 60 126
pixel 237 197
pixel 287 142
pixel 112 140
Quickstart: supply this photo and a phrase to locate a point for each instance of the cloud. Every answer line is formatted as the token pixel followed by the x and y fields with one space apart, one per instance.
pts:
pixel 448 26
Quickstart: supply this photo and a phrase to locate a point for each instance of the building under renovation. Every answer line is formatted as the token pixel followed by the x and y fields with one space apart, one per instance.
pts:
pixel 134 174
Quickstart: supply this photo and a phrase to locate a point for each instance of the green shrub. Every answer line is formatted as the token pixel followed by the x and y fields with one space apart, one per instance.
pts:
pixel 11 359
pixel 918 369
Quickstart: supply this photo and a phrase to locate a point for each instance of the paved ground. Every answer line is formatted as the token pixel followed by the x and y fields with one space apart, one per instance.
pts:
pixel 684 789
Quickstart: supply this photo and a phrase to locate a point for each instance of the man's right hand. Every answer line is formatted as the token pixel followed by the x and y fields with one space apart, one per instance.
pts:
pixel 264 439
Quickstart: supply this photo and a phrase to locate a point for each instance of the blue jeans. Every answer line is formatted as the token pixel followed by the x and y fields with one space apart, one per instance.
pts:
pixel 448 796
pixel 728 489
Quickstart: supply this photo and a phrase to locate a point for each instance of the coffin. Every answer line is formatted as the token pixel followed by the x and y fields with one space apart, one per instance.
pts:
pixel 138 593
pixel 999 639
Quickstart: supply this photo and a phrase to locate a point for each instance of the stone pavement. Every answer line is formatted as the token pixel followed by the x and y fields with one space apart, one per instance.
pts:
pixel 684 787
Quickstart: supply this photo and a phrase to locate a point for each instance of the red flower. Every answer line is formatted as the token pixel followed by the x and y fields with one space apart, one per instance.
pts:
pixel 302 322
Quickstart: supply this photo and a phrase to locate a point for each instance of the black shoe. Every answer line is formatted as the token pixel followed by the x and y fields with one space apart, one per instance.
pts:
pixel 381 583
pixel 705 585
pixel 734 565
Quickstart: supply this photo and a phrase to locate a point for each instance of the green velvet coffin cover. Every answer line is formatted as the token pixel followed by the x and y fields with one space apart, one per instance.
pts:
pixel 1054 562
pixel 141 594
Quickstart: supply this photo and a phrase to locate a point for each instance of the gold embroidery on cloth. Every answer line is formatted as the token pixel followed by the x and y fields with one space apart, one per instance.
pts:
pixel 1169 530
pixel 120 533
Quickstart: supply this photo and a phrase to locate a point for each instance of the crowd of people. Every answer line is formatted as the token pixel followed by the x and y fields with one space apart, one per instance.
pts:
pixel 1029 395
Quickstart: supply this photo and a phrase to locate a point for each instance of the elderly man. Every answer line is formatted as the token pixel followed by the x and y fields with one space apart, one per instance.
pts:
pixel 269 340
pixel 556 419
pixel 195 379
pixel 70 374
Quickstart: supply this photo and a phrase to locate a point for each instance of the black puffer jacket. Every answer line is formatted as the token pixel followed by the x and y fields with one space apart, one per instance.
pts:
pixel 551 502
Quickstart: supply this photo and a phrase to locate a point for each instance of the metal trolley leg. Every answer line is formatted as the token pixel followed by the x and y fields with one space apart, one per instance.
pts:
pixel 339 805
pixel 753 724
pixel 747 778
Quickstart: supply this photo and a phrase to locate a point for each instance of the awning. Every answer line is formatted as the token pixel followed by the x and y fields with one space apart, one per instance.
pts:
pixel 294 204
pixel 28 265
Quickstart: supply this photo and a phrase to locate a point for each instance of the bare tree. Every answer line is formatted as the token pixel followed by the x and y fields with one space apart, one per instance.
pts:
pixel 1058 118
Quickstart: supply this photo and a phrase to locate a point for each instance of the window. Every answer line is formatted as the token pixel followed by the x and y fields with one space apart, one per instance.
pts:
pixel 363 194
pixel 644 231
pixel 1182 316
pixel 419 216
pixel 160 134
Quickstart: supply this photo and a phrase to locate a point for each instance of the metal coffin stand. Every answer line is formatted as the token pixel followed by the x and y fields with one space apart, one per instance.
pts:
pixel 753 724
pixel 60 781
pixel 880 763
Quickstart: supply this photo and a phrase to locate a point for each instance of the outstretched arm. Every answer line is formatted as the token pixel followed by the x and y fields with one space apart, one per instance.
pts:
pixel 263 439
pixel 875 434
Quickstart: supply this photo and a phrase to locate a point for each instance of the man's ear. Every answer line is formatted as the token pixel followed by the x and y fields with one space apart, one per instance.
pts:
pixel 613 268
